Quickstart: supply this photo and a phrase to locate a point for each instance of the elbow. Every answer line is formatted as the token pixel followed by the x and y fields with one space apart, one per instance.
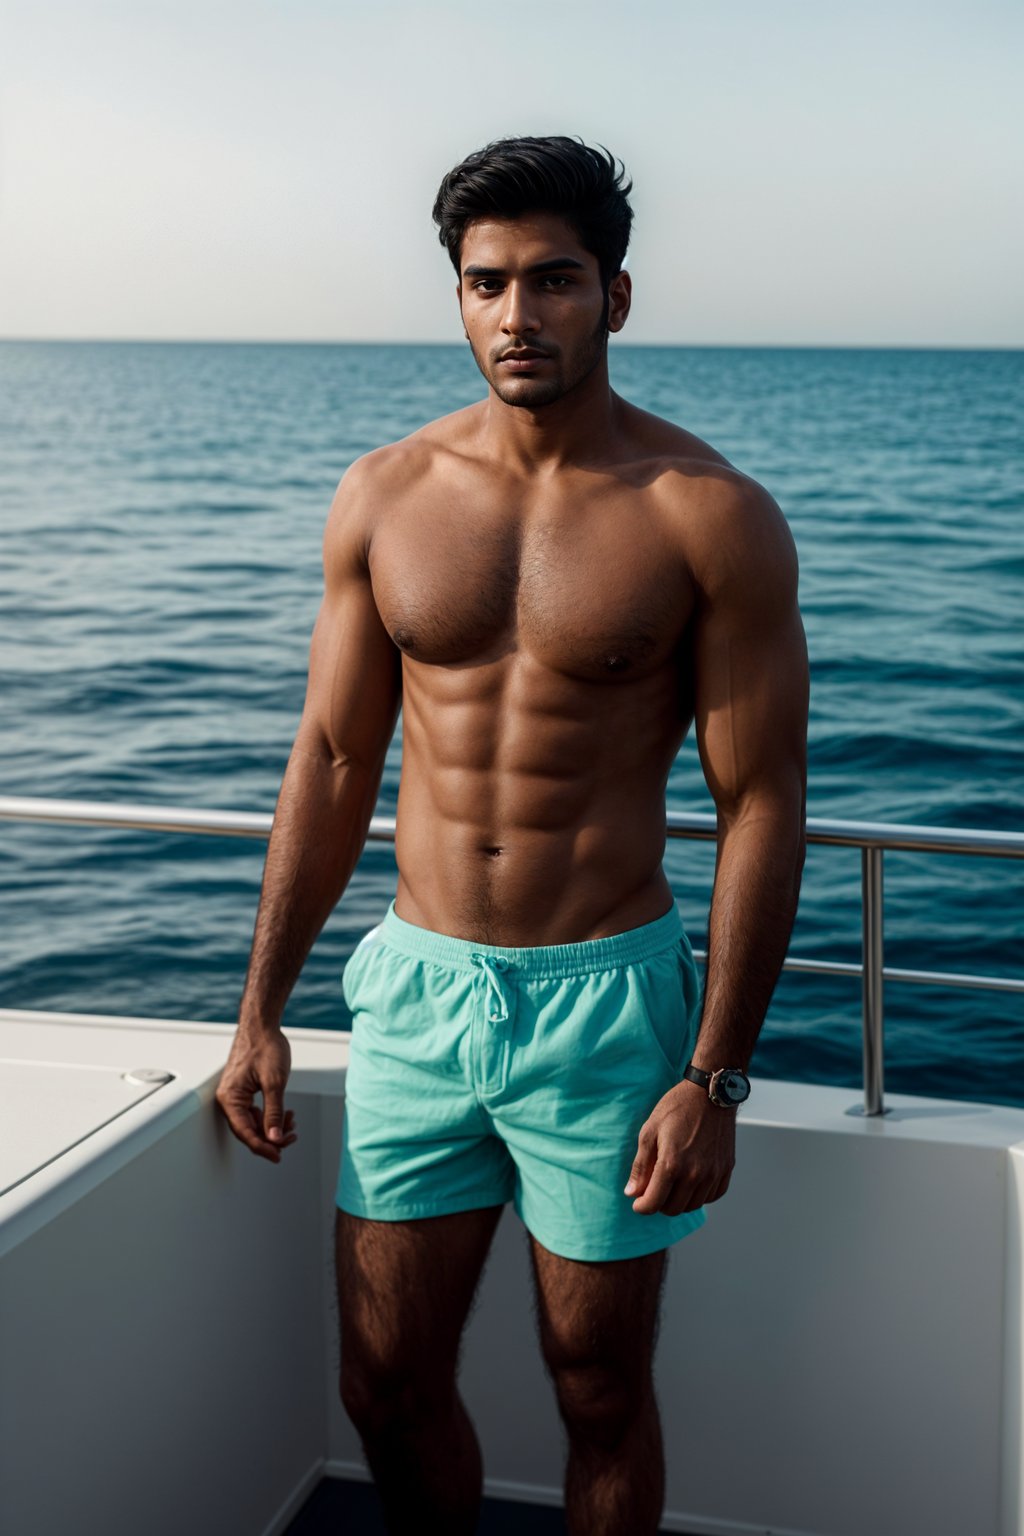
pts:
pixel 797 824
pixel 800 857
pixel 797 821
pixel 338 756
pixel 776 816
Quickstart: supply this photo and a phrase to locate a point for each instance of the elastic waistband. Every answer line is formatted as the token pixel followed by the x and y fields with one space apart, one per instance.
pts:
pixel 548 960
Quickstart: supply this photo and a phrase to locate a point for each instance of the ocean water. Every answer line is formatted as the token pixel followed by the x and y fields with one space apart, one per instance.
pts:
pixel 162 509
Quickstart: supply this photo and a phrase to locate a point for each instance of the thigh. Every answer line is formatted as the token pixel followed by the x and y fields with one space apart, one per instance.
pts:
pixel 598 1316
pixel 404 1291
pixel 595 1054
pixel 415 1141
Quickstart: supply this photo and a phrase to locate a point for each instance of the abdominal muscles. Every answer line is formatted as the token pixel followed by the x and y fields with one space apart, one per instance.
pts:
pixel 532 804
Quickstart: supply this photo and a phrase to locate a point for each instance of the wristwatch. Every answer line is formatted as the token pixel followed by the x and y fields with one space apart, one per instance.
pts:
pixel 727 1087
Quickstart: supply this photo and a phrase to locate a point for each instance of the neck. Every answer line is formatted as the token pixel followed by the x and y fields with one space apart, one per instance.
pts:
pixel 577 428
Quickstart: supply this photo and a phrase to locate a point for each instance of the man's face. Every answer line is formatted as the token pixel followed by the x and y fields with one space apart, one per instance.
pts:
pixel 533 307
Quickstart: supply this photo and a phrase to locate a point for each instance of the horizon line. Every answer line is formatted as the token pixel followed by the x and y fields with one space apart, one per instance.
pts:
pixel 716 346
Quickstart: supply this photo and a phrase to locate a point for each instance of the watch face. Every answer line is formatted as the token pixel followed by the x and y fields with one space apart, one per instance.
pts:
pixel 732 1086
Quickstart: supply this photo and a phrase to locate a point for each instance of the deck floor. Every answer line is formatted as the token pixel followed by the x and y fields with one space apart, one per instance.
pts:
pixel 344 1507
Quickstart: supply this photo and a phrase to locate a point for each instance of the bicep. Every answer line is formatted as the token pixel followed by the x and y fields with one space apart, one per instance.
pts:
pixel 353 692
pixel 750 672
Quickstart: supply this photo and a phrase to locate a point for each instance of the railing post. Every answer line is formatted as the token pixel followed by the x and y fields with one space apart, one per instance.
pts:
pixel 872 984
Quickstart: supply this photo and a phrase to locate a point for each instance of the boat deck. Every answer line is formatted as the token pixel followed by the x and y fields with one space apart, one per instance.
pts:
pixel 342 1504
pixel 860 1293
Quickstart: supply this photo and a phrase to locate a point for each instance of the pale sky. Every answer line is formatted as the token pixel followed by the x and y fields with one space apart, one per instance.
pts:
pixel 806 172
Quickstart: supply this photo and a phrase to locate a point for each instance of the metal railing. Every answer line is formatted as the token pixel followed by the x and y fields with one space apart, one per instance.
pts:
pixel 872 838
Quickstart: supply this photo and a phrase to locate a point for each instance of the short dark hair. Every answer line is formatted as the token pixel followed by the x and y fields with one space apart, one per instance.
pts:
pixel 586 187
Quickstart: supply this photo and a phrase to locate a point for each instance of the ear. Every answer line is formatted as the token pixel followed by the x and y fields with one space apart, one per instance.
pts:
pixel 620 295
pixel 458 295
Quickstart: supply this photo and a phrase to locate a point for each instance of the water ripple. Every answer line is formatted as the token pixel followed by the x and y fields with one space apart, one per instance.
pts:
pixel 163 509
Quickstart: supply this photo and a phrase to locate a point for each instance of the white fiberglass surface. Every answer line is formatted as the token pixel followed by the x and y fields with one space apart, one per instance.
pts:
pixel 50 1107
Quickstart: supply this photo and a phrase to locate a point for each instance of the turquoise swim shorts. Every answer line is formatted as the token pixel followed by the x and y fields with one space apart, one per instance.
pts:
pixel 480 1074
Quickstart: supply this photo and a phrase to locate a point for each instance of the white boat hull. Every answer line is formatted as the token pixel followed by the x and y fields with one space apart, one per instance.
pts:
pixel 840 1351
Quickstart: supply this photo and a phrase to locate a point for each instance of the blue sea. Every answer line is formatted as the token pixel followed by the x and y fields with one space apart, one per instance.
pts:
pixel 162 509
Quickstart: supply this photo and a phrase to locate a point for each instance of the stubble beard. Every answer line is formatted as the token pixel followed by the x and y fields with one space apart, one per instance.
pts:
pixel 530 394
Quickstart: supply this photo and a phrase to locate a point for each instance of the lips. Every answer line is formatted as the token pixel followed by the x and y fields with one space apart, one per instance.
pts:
pixel 522 362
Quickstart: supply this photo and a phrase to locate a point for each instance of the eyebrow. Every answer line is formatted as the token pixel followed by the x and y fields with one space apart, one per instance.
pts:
pixel 554 265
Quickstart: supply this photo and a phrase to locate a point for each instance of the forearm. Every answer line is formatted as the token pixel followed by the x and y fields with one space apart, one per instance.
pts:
pixel 320 824
pixel 753 905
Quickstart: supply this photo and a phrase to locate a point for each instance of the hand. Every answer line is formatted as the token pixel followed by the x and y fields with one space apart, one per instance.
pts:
pixel 258 1063
pixel 686 1153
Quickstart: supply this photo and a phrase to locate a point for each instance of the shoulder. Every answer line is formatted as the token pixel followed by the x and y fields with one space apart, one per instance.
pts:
pixel 731 531
pixel 379 480
pixel 381 472
pixel 727 529
pixel 394 466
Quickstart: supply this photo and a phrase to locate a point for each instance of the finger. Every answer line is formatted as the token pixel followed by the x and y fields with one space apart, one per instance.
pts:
pixel 718 1191
pixel 259 1144
pixel 277 1137
pixel 643 1163
pixel 290 1134
pixel 273 1111
pixel 268 1147
pixel 685 1201
pixel 713 1190
pixel 247 1127
pixel 245 1124
pixel 256 1139
pixel 659 1189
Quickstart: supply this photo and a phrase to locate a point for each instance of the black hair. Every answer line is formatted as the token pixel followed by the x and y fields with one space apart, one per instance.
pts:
pixel 586 187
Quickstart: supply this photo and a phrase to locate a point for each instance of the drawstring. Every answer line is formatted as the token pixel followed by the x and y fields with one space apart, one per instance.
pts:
pixel 489 964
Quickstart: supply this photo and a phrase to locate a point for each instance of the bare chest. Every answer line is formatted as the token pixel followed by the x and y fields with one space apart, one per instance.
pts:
pixel 593 591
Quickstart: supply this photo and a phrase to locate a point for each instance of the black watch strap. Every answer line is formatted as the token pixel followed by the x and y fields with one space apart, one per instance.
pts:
pixel 721 1086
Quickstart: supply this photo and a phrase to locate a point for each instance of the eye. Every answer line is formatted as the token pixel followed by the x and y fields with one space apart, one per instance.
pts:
pixel 557 279
pixel 486 284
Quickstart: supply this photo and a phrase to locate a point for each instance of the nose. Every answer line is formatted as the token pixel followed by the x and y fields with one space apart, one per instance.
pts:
pixel 518 317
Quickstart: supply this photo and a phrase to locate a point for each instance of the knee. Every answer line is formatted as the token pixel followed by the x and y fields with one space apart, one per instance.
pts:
pixel 599 1403
pixel 392 1401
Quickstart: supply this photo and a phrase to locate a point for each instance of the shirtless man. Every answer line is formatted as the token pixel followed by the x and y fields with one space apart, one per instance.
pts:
pixel 551 584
